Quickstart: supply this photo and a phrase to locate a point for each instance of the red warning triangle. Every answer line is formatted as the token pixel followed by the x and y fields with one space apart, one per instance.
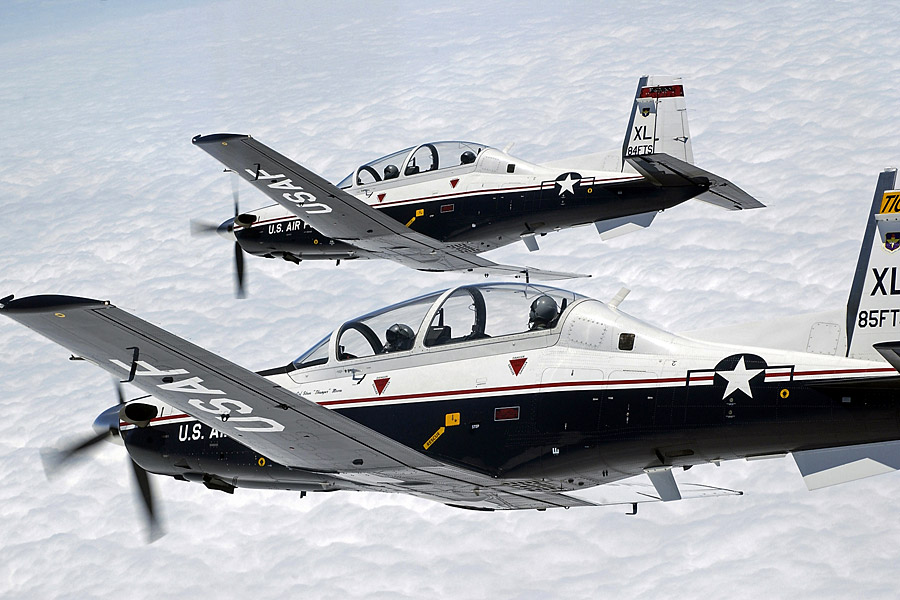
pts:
pixel 517 365
pixel 381 197
pixel 453 183
pixel 381 383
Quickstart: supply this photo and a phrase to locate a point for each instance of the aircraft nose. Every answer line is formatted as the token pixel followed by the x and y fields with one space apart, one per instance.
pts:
pixel 226 230
pixel 108 420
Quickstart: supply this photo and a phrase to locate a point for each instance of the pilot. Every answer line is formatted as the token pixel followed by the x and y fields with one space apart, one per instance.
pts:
pixel 399 337
pixel 467 158
pixel 391 172
pixel 543 314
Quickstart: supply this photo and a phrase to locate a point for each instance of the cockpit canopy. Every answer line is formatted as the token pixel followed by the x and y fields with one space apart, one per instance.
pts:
pixel 452 316
pixel 415 161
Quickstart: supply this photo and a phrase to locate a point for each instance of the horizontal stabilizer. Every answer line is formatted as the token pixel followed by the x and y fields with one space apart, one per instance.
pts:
pixel 669 171
pixel 833 466
pixel 890 351
pixel 610 228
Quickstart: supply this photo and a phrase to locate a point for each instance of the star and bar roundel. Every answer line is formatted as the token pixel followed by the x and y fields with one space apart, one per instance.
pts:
pixel 738 371
pixel 567 183
pixel 740 374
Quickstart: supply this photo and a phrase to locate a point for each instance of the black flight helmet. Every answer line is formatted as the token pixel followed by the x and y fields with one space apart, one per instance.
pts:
pixel 467 158
pixel 391 172
pixel 543 312
pixel 399 337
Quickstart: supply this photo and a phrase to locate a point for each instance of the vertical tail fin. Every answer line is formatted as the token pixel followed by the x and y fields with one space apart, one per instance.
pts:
pixel 873 308
pixel 659 121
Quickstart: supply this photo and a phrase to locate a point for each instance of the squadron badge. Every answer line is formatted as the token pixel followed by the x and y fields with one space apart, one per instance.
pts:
pixel 892 242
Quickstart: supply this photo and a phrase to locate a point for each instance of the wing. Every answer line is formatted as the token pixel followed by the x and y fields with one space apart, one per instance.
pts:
pixel 670 171
pixel 339 215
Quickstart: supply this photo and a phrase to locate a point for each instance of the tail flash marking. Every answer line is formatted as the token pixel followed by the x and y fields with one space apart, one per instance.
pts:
pixel 663 91
pixel 890 202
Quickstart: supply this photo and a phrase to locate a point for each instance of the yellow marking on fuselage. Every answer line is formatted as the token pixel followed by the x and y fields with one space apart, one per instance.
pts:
pixel 890 202
pixel 434 438
pixel 419 213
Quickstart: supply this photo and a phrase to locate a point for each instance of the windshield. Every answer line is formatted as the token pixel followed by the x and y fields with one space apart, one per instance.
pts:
pixel 367 335
pixel 374 171
pixel 317 355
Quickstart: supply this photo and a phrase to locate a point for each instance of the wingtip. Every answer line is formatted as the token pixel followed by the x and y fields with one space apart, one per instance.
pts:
pixel 199 140
pixel 46 303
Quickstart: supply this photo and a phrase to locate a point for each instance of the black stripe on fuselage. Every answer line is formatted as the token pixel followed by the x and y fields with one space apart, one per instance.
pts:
pixel 598 435
pixel 483 221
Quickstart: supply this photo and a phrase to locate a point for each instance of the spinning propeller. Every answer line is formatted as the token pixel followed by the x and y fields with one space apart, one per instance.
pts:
pixel 106 426
pixel 226 230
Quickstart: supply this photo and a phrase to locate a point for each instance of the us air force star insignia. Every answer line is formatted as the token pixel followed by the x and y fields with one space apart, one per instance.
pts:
pixel 567 184
pixel 739 378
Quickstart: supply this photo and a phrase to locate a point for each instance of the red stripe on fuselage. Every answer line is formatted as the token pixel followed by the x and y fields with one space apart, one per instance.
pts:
pixel 565 384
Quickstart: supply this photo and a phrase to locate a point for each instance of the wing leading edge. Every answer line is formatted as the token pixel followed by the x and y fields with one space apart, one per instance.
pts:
pixel 339 215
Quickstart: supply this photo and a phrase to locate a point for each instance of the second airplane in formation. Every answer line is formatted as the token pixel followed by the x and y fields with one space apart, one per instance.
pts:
pixel 437 206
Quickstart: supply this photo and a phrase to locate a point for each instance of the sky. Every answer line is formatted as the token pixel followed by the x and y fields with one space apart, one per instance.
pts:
pixel 794 102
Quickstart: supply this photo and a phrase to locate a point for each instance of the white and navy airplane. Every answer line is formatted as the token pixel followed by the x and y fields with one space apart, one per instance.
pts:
pixel 437 206
pixel 505 395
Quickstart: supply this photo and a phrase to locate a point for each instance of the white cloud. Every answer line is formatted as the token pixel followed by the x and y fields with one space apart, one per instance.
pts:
pixel 795 103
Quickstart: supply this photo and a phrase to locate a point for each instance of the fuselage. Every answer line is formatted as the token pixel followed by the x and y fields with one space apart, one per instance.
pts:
pixel 598 397
pixel 488 203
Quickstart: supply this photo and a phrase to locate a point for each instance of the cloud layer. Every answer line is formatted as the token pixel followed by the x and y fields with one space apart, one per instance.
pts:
pixel 794 103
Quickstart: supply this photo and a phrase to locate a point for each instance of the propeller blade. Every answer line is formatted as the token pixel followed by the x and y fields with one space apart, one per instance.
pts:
pixel 54 459
pixel 238 271
pixel 154 530
pixel 199 228
pixel 234 192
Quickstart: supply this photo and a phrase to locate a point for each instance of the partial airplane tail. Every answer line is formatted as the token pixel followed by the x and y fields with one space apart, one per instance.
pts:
pixel 873 308
pixel 659 123
pixel 658 144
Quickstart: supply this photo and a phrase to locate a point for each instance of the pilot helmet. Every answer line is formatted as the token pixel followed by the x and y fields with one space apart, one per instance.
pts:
pixel 399 337
pixel 467 158
pixel 543 311
pixel 391 172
